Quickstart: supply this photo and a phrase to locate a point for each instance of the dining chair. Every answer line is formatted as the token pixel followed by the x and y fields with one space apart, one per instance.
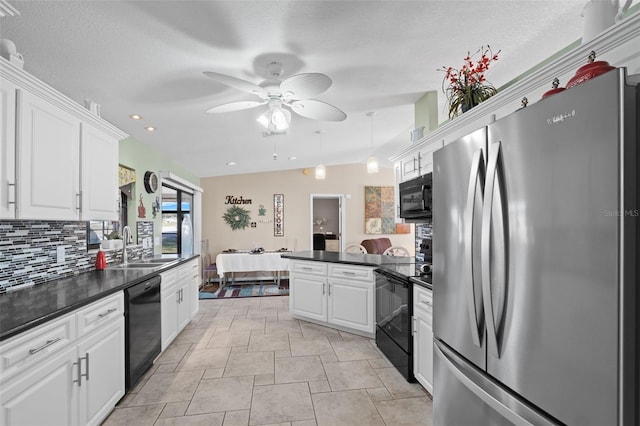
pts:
pixel 355 248
pixel 397 251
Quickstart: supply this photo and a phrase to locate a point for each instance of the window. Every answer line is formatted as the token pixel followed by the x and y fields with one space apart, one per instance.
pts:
pixel 176 221
pixel 97 230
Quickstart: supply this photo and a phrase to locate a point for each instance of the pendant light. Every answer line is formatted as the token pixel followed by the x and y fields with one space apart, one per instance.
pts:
pixel 321 170
pixel 372 162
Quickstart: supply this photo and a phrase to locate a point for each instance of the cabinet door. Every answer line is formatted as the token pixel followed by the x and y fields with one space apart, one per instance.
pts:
pixel 7 149
pixel 44 395
pixel 183 296
pixel 351 304
pixel 48 161
pixel 169 309
pixel 307 296
pixel 98 175
pixel 102 359
pixel 423 351
pixel 426 156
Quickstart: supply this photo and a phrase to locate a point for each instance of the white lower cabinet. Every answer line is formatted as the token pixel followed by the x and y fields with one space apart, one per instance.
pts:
pixel 177 291
pixel 69 371
pixel 423 337
pixel 336 295
pixel 169 306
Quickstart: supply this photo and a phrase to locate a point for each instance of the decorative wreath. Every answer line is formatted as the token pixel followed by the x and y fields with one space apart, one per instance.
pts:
pixel 237 217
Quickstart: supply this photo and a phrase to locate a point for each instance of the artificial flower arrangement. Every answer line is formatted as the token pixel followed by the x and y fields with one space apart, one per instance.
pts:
pixel 467 87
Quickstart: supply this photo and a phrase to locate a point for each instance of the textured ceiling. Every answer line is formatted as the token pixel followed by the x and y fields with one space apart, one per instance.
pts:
pixel 147 58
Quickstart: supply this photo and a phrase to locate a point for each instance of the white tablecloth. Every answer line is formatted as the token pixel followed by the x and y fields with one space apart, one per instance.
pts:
pixel 247 262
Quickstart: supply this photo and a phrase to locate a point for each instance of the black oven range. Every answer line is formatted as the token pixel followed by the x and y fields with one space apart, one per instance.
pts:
pixel 394 309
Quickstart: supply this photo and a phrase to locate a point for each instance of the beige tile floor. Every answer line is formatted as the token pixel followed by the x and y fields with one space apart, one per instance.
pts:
pixel 248 362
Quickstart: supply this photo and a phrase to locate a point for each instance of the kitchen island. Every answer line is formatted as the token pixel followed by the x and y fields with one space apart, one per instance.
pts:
pixel 336 289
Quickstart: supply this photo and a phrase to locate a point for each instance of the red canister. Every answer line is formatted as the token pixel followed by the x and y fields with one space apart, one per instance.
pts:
pixel 591 70
pixel 101 260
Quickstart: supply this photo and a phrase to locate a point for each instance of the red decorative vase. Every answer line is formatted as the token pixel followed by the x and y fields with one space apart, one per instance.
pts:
pixel 591 70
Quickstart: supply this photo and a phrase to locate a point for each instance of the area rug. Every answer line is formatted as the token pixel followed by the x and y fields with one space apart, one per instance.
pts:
pixel 253 289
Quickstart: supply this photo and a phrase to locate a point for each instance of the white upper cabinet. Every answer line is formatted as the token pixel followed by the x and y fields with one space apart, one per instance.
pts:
pixel 59 161
pixel 99 175
pixel 48 158
pixel 7 149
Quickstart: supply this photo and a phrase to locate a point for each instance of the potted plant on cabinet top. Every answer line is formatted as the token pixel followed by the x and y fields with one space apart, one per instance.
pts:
pixel 467 87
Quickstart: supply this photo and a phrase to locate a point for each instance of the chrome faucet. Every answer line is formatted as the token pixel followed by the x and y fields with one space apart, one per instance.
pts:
pixel 126 236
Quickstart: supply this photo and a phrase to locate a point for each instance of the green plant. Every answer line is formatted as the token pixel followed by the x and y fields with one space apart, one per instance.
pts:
pixel 114 236
pixel 467 87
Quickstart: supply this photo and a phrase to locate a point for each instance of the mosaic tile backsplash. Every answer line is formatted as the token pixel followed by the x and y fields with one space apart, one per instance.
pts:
pixel 28 252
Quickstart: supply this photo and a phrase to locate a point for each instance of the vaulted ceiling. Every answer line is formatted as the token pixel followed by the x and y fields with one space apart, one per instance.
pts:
pixel 148 58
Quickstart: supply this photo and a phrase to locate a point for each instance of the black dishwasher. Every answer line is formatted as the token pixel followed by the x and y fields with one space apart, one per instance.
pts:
pixel 142 328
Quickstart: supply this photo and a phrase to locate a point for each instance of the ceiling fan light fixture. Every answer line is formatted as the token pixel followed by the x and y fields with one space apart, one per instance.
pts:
pixel 275 119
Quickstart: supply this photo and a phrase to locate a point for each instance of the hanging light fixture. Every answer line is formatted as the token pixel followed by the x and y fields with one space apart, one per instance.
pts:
pixel 321 170
pixel 275 119
pixel 372 162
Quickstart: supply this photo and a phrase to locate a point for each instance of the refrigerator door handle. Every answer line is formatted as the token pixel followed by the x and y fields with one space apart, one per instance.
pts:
pixel 493 395
pixel 477 172
pixel 487 213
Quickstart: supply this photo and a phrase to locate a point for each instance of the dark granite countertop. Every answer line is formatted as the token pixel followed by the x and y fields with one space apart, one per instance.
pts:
pixel 348 258
pixel 28 307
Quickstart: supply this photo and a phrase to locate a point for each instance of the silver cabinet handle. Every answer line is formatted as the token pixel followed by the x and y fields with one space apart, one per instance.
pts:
pixel 424 302
pixel 348 273
pixel 477 172
pixel 413 326
pixel 9 191
pixel 104 314
pixel 46 345
pixel 79 198
pixel 79 368
pixel 306 268
pixel 79 364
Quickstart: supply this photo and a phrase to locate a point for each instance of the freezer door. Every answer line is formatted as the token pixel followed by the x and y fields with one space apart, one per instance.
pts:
pixel 552 314
pixel 466 396
pixel 458 178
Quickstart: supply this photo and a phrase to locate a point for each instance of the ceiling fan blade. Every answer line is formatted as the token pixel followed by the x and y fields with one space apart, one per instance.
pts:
pixel 236 83
pixel 235 106
pixel 318 110
pixel 304 86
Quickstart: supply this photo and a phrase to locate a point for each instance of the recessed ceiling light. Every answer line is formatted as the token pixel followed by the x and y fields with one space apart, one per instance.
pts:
pixel 293 157
pixel 135 117
pixel 150 128
pixel 231 163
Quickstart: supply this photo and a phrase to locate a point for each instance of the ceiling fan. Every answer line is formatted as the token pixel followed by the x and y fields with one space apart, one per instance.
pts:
pixel 294 93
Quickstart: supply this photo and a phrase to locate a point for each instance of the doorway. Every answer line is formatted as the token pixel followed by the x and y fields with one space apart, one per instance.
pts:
pixel 327 219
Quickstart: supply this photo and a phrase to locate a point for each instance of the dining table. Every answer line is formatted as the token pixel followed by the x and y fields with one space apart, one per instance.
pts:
pixel 250 261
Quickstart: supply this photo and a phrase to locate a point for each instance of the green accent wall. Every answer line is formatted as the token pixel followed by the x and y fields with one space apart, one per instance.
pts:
pixel 142 158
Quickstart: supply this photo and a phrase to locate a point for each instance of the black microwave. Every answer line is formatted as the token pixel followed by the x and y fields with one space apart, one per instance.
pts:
pixel 415 199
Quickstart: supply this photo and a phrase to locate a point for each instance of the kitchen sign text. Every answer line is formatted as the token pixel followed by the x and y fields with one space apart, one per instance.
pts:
pixel 230 199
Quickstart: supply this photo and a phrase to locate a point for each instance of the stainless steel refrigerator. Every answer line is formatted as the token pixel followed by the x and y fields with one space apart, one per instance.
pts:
pixel 535 251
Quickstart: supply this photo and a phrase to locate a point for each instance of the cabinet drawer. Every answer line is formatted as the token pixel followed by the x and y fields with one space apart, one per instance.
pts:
pixel 97 314
pixel 422 299
pixel 314 268
pixel 353 272
pixel 34 346
pixel 169 279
